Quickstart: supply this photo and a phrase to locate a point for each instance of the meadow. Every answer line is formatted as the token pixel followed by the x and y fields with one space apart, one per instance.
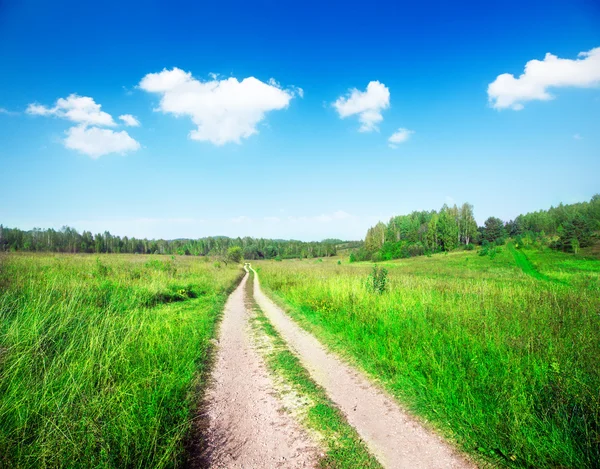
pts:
pixel 499 352
pixel 102 358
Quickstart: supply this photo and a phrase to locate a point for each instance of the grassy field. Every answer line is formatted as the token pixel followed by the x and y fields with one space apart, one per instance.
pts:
pixel 499 353
pixel 101 358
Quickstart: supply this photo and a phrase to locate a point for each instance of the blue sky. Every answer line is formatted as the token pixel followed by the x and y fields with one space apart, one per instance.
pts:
pixel 221 155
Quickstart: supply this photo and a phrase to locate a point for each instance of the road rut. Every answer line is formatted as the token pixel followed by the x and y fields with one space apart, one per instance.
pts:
pixel 395 438
pixel 247 427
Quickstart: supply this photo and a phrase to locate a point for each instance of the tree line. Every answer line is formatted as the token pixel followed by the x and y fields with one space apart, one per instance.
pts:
pixel 69 240
pixel 565 227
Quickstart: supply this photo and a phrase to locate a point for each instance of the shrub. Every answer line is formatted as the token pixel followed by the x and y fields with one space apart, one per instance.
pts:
pixel 485 247
pixel 234 254
pixel 377 282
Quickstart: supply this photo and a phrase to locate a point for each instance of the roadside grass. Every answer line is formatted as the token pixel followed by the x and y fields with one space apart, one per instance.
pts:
pixel 101 357
pixel 308 402
pixel 502 363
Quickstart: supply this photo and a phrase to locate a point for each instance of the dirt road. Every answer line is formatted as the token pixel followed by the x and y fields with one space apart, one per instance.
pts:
pixel 395 438
pixel 247 428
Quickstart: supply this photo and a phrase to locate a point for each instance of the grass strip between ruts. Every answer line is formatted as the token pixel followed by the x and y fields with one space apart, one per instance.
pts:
pixel 306 400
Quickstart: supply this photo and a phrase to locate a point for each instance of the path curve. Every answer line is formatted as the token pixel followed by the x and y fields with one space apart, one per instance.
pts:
pixel 247 428
pixel 395 438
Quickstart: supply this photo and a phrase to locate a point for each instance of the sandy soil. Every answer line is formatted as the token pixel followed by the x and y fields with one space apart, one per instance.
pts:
pixel 246 425
pixel 395 438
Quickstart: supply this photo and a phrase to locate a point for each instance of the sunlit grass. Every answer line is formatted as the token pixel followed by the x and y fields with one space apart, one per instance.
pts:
pixel 100 356
pixel 503 363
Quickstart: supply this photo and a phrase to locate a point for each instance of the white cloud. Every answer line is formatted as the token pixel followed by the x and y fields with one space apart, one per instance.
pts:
pixel 400 136
pixel 78 109
pixel 95 142
pixel 367 104
pixel 508 92
pixel 129 120
pixel 223 110
pixel 7 112
pixel 577 137
pixel 87 137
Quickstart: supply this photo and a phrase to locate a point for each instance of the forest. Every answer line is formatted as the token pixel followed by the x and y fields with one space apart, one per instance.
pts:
pixel 69 240
pixel 565 227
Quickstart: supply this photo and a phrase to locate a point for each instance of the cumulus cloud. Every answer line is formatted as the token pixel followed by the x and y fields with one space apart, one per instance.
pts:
pixel 400 136
pixel 78 109
pixel 95 142
pixel 367 104
pixel 129 120
pixel 225 110
pixel 87 137
pixel 508 92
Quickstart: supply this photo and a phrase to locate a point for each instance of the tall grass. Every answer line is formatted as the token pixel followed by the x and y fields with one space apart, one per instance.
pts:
pixel 99 357
pixel 503 363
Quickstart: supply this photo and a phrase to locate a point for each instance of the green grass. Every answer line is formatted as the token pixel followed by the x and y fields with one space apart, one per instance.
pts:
pixel 501 362
pixel 101 358
pixel 343 446
pixel 525 264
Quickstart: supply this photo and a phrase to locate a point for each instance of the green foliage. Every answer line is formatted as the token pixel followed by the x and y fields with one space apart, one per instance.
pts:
pixel 377 282
pixel 493 231
pixel 69 240
pixel 235 254
pixel 575 232
pixel 101 358
pixel 505 363
pixel 421 233
pixel 429 232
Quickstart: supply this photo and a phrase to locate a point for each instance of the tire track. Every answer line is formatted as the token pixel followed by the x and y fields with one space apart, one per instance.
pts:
pixel 246 427
pixel 394 437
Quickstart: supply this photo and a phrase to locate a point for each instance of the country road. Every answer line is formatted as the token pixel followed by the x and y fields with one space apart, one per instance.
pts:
pixel 248 429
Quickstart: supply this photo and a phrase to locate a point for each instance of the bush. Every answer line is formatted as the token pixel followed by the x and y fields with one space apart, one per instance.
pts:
pixel 234 254
pixel 377 282
pixel 485 247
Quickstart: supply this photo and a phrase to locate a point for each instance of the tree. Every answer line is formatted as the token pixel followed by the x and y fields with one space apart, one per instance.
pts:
pixel 468 226
pixel 447 229
pixel 493 230
pixel 375 237
pixel 234 254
